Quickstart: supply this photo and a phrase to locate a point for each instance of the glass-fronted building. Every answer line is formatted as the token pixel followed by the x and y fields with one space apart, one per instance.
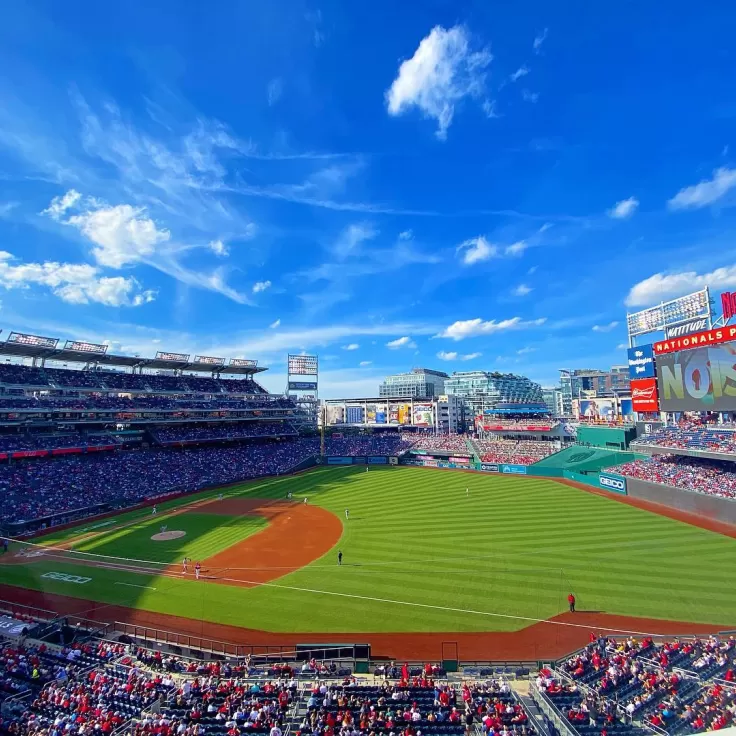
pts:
pixel 482 391
pixel 582 382
pixel 419 383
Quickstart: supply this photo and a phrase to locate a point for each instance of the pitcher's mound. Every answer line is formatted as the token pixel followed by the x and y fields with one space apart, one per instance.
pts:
pixel 166 536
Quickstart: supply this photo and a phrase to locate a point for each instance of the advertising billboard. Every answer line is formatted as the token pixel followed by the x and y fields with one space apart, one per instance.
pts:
pixel 422 415
pixel 687 328
pixel 243 363
pixel 641 362
pixel 404 414
pixel 728 303
pixel 370 413
pixel 380 415
pixel 209 360
pixel 302 386
pixel 596 409
pixel 703 379
pixel 616 483
pixel 334 414
pixel 644 396
pixel 716 336
pixel 627 407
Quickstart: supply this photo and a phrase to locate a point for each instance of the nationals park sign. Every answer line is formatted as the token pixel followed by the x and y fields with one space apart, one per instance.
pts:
pixel 698 340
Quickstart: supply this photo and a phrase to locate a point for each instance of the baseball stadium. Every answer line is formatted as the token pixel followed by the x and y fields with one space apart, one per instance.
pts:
pixel 167 517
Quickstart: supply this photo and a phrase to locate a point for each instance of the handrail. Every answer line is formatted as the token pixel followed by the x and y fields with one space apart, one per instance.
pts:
pixel 548 708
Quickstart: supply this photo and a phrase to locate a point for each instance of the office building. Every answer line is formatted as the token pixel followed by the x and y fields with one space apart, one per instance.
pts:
pixel 590 382
pixel 419 383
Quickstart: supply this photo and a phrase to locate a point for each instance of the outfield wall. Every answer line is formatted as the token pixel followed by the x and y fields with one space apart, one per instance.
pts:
pixel 711 507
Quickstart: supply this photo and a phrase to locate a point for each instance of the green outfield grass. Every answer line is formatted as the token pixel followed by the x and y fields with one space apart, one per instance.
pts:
pixel 420 555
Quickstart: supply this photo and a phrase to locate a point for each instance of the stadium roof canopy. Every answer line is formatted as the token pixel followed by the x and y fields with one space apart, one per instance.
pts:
pixel 19 345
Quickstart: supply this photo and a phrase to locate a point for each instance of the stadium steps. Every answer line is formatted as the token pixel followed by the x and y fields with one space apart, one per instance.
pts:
pixel 472 447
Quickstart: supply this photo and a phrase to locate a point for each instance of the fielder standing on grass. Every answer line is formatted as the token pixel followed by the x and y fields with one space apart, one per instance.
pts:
pixel 339 558
pixel 347 514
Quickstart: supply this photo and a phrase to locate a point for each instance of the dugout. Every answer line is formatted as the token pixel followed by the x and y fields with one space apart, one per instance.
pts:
pixel 609 438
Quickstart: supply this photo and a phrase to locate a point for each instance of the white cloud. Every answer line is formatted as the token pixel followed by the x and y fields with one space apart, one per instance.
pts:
pixel 662 287
pixel 476 250
pixel 351 346
pixel 526 351
pixel 7 207
pixel 444 355
pixel 522 71
pixel 624 209
pixel 275 89
pixel 516 249
pixel 605 328
pixel 406 235
pixel 351 238
pixel 706 191
pixel 442 71
pixel 622 346
pixel 489 108
pixel 539 39
pixel 218 248
pixel 260 286
pixel 78 283
pixel 529 96
pixel 275 324
pixel 401 342
pixel 474 327
pixel 59 205
pixel 121 234
pixel 522 290
pixel 364 363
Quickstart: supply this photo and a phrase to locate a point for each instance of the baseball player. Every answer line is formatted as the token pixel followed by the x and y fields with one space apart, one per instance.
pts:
pixel 197 569
pixel 185 565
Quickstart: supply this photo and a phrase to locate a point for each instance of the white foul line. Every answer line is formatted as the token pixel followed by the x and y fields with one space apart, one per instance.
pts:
pixel 133 585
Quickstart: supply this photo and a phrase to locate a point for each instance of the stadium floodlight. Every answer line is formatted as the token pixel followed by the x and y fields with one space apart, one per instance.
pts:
pixel 676 311
pixel 85 347
pixel 21 338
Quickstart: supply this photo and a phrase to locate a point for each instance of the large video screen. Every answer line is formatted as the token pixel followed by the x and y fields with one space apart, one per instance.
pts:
pixel 702 379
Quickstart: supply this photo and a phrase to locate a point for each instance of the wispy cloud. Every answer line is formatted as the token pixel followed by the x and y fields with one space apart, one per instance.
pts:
pixel 477 250
pixel 261 286
pixel 522 290
pixel 451 356
pixel 664 286
pixel 274 91
pixel 539 39
pixel 219 248
pixel 605 328
pixel 526 351
pixel 401 342
pixel 275 324
pixel 364 363
pixel 706 191
pixel 7 207
pixel 522 71
pixel 624 209
pixel 529 96
pixel 443 70
pixel 351 346
pixel 475 327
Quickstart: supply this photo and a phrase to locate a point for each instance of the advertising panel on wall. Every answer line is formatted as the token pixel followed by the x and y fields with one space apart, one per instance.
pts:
pixel 422 415
pixel 403 414
pixel 687 328
pixel 596 409
pixel 627 407
pixel 513 469
pixel 302 386
pixel 370 413
pixel 393 461
pixel 334 414
pixel 641 362
pixel 616 483
pixel 339 460
pixel 644 397
pixel 489 467
pixel 380 415
pixel 377 461
pixel 702 379
pixel 460 460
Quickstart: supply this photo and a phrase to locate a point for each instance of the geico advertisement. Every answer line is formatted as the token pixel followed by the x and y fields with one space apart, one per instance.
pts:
pixel 703 379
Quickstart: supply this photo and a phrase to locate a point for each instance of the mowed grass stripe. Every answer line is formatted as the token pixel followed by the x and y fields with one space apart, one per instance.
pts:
pixel 514 547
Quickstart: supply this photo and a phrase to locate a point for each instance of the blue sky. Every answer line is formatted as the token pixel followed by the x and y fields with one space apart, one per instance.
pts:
pixel 456 185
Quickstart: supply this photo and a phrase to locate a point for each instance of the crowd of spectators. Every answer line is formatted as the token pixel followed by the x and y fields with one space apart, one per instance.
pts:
pixel 227 431
pixel 712 477
pixel 67 487
pixel 689 436
pixel 99 404
pixel 23 375
pixel 44 441
pixel 517 452
pixel 442 443
pixel 610 683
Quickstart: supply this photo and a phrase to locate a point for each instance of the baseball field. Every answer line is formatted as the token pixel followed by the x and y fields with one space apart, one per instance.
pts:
pixel 423 551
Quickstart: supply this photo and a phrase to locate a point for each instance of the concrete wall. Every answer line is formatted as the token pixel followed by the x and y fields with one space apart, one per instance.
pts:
pixel 711 507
